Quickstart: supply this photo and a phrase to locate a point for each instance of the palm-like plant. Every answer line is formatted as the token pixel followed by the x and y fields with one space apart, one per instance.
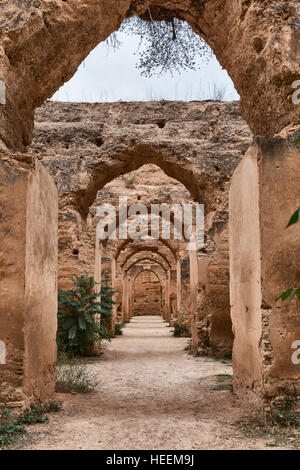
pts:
pixel 82 314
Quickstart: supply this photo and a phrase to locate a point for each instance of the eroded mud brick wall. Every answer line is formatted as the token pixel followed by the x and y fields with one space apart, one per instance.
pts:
pixel 200 146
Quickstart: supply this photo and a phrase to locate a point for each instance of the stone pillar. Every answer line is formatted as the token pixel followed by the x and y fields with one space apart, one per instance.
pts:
pixel 98 268
pixel 76 249
pixel 123 287
pixel 130 298
pixel 28 281
pixel 163 295
pixel 118 299
pixel 193 291
pixel 173 296
pixel 264 261
pixel 114 286
pixel 178 285
pixel 213 327
pixel 124 298
pixel 167 295
pixel 128 293
pixel 108 272
pixel 185 305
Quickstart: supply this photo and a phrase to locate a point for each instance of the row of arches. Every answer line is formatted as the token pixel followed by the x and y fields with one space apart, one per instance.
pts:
pixel 41 47
pixel 196 284
pixel 202 301
pixel 179 268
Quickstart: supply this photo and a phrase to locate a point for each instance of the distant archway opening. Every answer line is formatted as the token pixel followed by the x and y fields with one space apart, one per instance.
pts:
pixel 147 294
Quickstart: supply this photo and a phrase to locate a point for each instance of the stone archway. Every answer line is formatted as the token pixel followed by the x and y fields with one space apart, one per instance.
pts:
pixel 147 293
pixel 42 46
pixel 140 247
pixel 146 256
pixel 129 266
pixel 139 262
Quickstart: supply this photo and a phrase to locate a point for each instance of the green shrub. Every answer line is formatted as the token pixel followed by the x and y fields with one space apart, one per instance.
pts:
pixel 9 428
pixel 33 414
pixel 36 411
pixel 82 315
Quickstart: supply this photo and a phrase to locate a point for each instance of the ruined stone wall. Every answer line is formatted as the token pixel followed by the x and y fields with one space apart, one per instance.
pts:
pixel 137 265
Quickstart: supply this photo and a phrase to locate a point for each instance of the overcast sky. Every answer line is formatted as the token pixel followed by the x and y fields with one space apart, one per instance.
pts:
pixel 108 75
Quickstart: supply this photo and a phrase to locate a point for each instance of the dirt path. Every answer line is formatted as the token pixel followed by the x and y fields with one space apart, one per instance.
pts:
pixel 151 395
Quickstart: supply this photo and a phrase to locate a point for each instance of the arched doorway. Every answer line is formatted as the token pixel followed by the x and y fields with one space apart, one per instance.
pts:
pixel 147 294
pixel 256 40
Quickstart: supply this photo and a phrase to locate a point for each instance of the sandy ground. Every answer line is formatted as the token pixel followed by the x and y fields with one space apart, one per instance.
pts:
pixel 151 395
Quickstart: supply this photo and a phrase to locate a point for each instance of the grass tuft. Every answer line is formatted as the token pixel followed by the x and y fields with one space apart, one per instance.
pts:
pixel 73 376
